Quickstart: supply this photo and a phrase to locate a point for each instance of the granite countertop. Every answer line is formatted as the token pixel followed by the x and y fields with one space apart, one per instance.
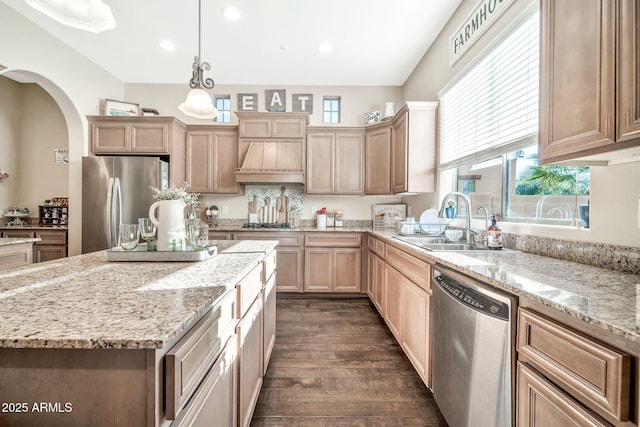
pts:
pixel 33 227
pixel 602 297
pixel 86 302
pixel 6 241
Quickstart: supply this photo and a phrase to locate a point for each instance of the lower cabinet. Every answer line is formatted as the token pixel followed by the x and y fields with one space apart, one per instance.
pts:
pixel 542 404
pixel 52 246
pixel 16 255
pixel 399 287
pixel 333 262
pixel 250 361
pixel 216 398
pixel 269 307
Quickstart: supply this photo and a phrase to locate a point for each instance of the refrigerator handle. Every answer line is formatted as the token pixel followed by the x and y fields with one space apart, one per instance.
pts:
pixel 110 214
pixel 118 222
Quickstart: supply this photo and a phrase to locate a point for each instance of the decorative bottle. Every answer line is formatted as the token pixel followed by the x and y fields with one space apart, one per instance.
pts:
pixel 494 235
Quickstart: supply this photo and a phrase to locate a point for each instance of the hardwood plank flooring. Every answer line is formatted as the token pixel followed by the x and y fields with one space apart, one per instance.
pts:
pixel 335 364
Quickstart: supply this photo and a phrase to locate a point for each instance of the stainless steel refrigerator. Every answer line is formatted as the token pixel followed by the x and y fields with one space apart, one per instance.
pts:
pixel 115 190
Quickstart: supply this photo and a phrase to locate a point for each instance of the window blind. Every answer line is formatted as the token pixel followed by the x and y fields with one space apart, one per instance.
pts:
pixel 493 109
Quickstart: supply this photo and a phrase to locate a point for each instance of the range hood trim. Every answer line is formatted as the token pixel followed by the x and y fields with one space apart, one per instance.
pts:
pixel 265 177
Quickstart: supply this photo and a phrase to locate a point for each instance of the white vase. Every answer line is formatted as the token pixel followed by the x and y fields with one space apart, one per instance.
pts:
pixel 169 222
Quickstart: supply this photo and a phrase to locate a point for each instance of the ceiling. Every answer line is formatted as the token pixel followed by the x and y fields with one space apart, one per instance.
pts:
pixel 375 42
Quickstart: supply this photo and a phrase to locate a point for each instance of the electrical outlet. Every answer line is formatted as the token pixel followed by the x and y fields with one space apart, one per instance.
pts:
pixel 225 209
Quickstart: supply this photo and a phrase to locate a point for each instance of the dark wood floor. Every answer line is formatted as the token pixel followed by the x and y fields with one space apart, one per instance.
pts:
pixel 335 363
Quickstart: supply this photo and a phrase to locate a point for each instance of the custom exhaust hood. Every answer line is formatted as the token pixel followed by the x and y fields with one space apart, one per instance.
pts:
pixel 271 161
pixel 271 147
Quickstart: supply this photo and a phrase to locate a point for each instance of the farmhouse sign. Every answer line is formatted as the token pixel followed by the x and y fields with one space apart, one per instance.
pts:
pixel 481 18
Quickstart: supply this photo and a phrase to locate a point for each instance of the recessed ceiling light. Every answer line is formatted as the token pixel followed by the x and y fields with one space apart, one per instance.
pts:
pixel 325 47
pixel 231 13
pixel 167 45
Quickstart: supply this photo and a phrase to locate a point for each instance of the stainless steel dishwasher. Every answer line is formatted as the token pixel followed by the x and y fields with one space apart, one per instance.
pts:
pixel 473 351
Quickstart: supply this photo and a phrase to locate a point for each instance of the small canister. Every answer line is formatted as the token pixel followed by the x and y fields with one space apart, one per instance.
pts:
pixel 331 219
pixel 338 219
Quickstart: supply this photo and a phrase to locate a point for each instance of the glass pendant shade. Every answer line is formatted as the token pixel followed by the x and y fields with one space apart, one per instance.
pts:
pixel 89 15
pixel 199 105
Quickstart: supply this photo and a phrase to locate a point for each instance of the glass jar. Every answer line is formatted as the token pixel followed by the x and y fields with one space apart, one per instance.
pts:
pixel 338 219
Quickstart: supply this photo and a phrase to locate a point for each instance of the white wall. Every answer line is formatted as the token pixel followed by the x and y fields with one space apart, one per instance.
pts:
pixel 614 191
pixel 355 100
pixel 77 85
pixel 9 134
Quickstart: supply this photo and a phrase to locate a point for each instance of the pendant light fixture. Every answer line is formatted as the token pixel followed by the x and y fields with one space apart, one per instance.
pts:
pixel 198 103
pixel 89 15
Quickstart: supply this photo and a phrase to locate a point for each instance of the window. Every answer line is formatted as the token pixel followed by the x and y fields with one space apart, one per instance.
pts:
pixel 223 104
pixel 489 135
pixel 331 109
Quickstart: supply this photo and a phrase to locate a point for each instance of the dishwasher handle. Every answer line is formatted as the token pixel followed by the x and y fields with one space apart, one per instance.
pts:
pixel 473 298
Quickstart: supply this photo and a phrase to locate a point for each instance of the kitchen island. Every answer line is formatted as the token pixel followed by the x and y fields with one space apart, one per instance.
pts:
pixel 15 252
pixel 84 341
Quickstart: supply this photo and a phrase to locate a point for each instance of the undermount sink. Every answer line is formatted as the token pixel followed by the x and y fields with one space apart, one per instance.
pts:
pixel 439 244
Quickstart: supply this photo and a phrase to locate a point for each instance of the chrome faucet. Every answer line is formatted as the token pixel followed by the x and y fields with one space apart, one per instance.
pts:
pixel 469 231
pixel 485 238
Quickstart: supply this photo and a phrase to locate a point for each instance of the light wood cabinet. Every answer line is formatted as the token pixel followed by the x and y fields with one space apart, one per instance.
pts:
pixel 119 135
pixel 375 281
pixel 413 148
pixel 593 373
pixel 16 255
pixel 272 125
pixel 335 161
pixel 269 307
pixel 250 360
pixel 542 404
pixel 377 169
pixel 394 300
pixel 589 80
pixel 212 156
pixel 53 245
pixel 333 263
pixel 416 331
pixel 289 257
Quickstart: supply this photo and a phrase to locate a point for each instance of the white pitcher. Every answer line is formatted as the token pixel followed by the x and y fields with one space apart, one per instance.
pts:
pixel 171 223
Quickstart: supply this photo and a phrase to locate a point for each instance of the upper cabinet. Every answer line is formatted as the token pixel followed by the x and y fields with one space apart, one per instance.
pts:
pixel 400 155
pixel 212 156
pixel 589 80
pixel 413 148
pixel 125 135
pixel 335 161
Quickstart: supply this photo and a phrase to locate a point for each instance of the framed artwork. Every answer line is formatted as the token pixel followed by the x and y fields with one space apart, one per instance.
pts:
pixel 120 108
pixel 372 117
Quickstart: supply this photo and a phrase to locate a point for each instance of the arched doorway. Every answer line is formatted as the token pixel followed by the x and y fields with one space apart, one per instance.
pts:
pixel 76 145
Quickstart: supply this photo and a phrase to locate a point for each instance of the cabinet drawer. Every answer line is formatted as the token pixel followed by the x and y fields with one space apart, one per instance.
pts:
pixel 593 373
pixel 284 239
pixel 247 290
pixel 415 269
pixel 269 266
pixel 189 360
pixel 23 234
pixel 333 240
pixel 376 245
pixel 215 398
pixel 51 237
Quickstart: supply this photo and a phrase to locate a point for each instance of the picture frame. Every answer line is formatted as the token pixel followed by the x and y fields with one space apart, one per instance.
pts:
pixel 388 215
pixel 372 117
pixel 120 108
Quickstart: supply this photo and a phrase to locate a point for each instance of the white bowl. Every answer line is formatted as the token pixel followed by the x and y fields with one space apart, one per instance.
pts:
pixel 453 235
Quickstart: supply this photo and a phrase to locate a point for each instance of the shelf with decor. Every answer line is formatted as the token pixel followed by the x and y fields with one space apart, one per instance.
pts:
pixel 53 215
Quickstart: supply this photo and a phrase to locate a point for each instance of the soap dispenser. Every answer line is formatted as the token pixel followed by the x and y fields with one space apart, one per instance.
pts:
pixel 494 235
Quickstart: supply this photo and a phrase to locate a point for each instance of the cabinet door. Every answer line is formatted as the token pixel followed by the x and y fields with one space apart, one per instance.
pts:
pixel 199 161
pixel 225 158
pixel 269 335
pixel 288 128
pixel 629 71
pixel 370 289
pixel 318 270
pixel 378 161
pixel 399 154
pixel 16 255
pixel 347 270
pixel 321 163
pixel 290 274
pixel 49 252
pixel 110 137
pixel 541 404
pixel 416 335
pixel 393 300
pixel 250 330
pixel 378 284
pixel 577 77
pixel 349 163
pixel 151 138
